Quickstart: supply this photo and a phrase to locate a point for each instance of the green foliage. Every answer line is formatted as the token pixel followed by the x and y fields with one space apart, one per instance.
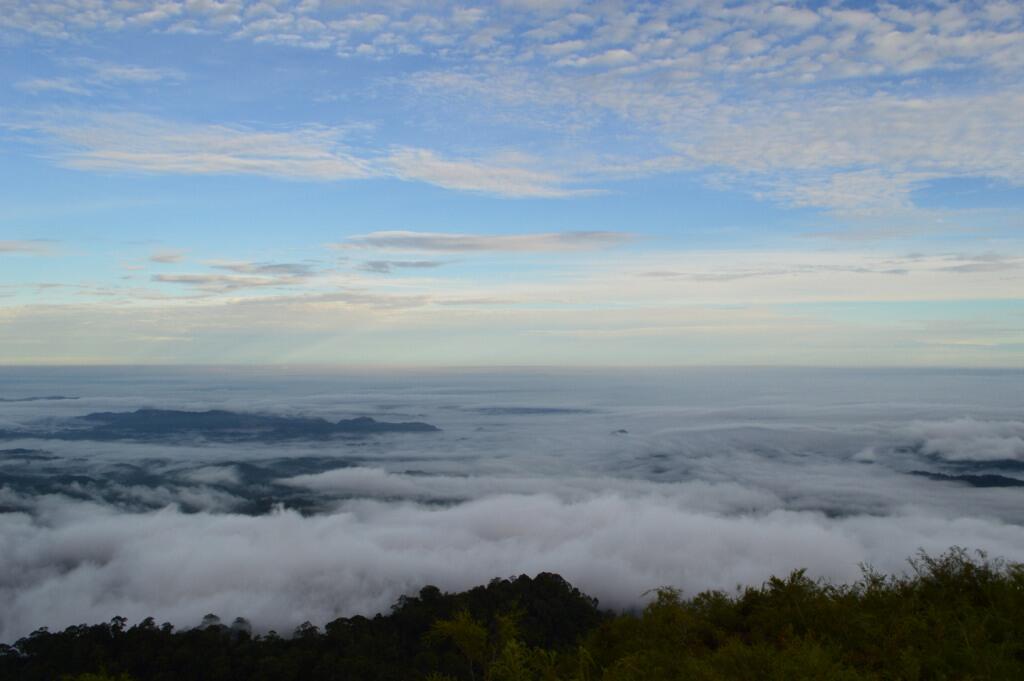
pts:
pixel 955 616
pixel 468 635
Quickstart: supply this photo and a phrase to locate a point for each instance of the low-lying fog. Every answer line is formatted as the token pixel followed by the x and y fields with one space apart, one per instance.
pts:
pixel 621 481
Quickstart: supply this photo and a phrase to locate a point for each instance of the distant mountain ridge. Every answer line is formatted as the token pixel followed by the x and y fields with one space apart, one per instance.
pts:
pixel 983 480
pixel 215 424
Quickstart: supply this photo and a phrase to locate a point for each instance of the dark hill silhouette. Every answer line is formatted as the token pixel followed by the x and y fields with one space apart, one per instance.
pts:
pixel 216 424
pixel 981 480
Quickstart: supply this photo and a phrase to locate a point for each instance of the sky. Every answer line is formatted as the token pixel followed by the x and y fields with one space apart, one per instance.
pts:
pixel 518 182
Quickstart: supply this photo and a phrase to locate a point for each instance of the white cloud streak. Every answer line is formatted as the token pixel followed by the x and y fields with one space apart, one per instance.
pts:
pixel 91 75
pixel 224 283
pixel 166 257
pixel 498 243
pixel 27 247
pixel 488 177
pixel 137 143
pixel 65 85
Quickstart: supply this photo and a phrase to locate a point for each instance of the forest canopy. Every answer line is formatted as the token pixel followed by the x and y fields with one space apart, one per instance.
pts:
pixel 954 616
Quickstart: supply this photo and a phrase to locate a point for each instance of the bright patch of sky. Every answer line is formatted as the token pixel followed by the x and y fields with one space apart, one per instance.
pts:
pixel 511 182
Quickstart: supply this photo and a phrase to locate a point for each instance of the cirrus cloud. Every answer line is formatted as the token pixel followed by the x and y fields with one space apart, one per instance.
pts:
pixel 468 243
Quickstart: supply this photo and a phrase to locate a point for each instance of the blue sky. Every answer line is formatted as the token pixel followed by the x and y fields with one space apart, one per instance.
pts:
pixel 514 182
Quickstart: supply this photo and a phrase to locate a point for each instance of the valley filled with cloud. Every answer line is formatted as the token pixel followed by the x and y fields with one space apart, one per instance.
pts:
pixel 620 480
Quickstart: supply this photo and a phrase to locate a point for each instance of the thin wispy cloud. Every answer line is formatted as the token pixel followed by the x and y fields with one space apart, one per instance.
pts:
pixel 516 180
pixel 27 247
pixel 143 144
pixel 292 269
pixel 136 143
pixel 512 243
pixel 984 262
pixel 223 283
pixel 112 73
pixel 245 275
pixel 167 256
pixel 65 85
pixel 845 161
pixel 85 77
pixel 389 266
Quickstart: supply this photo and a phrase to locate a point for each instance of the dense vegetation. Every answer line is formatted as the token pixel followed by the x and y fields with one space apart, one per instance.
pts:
pixel 955 616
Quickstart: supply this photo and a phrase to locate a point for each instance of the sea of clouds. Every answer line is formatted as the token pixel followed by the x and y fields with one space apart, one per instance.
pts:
pixel 621 481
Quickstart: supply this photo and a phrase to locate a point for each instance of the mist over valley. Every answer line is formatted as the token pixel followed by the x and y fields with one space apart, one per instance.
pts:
pixel 285 496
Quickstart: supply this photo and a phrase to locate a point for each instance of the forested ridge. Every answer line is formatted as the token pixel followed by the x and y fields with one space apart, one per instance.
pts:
pixel 955 616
